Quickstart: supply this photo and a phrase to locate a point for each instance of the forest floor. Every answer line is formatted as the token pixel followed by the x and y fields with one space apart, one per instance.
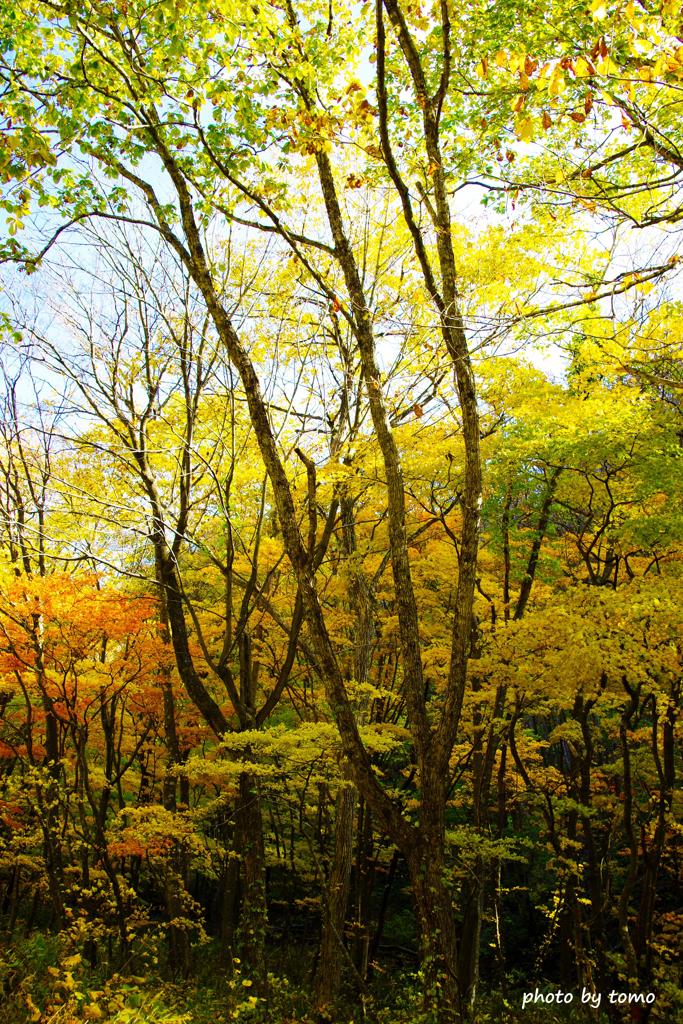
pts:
pixel 40 983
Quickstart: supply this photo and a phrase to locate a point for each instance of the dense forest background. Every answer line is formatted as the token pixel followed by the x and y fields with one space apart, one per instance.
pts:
pixel 340 511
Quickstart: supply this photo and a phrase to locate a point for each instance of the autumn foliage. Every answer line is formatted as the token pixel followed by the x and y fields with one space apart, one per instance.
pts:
pixel 340 529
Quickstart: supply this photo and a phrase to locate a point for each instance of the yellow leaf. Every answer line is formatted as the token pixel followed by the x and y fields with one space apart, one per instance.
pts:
pixel 557 83
pixel 525 129
pixel 607 67
pixel 33 1011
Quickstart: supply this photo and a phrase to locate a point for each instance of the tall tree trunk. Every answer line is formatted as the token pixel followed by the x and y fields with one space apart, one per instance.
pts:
pixel 251 937
pixel 328 975
pixel 472 900
pixel 426 863
pixel 228 907
pixel 179 948
pixel 665 766
pixel 175 882
pixel 629 884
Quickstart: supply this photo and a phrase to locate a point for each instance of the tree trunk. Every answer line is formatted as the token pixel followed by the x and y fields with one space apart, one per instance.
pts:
pixel 470 935
pixel 437 931
pixel 228 907
pixel 253 915
pixel 328 974
pixel 179 947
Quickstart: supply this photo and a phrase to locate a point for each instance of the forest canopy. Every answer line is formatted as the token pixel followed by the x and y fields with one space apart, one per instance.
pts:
pixel 340 511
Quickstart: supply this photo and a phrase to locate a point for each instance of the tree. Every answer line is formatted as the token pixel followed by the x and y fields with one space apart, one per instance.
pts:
pixel 240 123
